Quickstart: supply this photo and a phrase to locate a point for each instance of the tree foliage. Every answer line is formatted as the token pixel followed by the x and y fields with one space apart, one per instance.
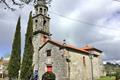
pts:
pixel 117 74
pixel 8 6
pixel 26 67
pixel 21 3
pixel 14 64
pixel 112 69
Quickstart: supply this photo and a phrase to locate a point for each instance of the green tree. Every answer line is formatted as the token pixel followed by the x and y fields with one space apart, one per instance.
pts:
pixel 15 58
pixel 117 74
pixel 26 68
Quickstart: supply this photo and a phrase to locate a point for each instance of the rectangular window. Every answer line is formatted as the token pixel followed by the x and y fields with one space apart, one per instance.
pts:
pixel 84 62
pixel 48 53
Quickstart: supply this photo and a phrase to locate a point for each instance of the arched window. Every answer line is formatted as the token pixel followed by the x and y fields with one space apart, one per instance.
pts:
pixel 37 9
pixel 44 22
pixel 36 20
pixel 40 10
pixel 45 11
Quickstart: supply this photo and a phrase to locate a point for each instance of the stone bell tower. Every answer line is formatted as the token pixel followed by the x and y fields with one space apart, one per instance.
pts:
pixel 40 27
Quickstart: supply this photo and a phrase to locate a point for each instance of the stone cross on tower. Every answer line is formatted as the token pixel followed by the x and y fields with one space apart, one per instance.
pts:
pixel 40 27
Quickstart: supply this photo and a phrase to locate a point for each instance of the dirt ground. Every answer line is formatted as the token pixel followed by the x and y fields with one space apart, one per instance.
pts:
pixel 3 78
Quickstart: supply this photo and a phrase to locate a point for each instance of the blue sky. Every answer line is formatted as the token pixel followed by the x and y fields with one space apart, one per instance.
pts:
pixel 80 22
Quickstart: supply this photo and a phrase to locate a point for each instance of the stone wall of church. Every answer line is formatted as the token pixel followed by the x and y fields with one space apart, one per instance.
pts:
pixel 80 68
pixel 79 71
pixel 59 64
pixel 99 69
pixel 96 67
pixel 36 45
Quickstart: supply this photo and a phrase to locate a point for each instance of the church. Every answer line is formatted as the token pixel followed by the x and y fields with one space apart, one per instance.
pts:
pixel 64 61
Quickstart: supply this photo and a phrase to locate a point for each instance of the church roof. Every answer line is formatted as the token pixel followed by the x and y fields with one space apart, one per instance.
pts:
pixel 89 47
pixel 71 47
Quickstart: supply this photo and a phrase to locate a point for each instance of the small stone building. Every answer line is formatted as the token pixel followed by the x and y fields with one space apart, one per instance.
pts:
pixel 64 61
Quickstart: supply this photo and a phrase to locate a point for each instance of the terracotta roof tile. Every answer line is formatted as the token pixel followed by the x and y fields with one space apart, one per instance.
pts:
pixel 69 46
pixel 89 47
pixel 84 49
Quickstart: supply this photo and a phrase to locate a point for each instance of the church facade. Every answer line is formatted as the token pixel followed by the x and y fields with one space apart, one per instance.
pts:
pixel 66 62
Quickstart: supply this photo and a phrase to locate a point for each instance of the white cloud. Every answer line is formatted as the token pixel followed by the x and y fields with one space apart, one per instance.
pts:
pixel 76 25
pixel 103 33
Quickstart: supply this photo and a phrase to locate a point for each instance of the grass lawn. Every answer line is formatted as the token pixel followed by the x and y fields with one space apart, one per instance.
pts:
pixel 107 78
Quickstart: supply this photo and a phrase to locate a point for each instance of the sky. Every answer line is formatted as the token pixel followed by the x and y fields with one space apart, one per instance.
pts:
pixel 80 22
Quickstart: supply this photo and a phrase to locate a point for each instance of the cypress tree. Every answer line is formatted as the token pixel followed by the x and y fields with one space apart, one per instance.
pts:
pixel 15 58
pixel 26 68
